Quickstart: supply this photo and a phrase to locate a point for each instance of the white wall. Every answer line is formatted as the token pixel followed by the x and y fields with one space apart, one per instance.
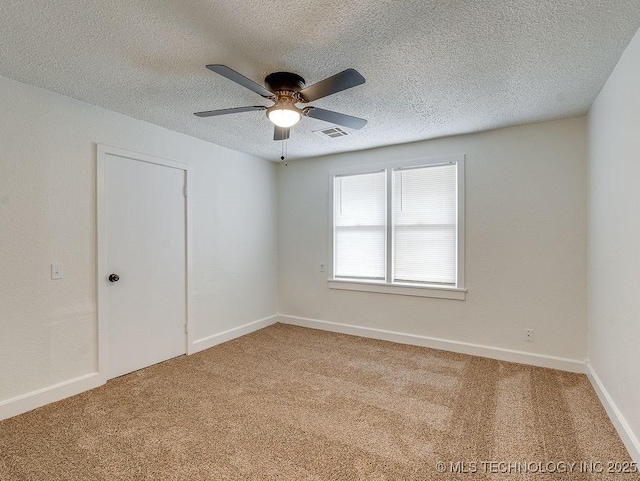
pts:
pixel 48 213
pixel 525 243
pixel 614 239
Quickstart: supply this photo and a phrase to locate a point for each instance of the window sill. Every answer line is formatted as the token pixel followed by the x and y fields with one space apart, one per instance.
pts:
pixel 418 291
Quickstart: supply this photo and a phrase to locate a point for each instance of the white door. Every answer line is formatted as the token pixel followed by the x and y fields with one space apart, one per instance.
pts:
pixel 146 250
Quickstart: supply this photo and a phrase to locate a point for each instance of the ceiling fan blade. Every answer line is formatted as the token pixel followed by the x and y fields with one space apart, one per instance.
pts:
pixel 339 82
pixel 335 118
pixel 237 110
pixel 281 133
pixel 240 79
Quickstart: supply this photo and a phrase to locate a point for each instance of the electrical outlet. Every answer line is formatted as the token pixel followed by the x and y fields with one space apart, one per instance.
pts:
pixel 56 271
pixel 528 335
pixel 323 267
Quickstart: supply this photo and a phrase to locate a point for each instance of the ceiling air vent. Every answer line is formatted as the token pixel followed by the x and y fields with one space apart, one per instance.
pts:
pixel 331 133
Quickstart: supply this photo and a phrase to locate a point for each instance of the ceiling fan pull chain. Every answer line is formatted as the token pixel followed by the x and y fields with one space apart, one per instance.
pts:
pixel 286 151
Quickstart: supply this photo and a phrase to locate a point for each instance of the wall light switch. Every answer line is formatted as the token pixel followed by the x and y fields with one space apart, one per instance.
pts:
pixel 323 267
pixel 56 271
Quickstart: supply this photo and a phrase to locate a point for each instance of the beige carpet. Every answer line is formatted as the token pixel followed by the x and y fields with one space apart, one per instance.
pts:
pixel 288 403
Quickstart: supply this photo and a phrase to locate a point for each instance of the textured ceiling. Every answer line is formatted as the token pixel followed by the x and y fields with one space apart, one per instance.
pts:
pixel 433 68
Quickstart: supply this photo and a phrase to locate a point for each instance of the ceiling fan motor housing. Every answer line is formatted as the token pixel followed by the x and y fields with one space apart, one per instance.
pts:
pixel 284 81
pixel 285 86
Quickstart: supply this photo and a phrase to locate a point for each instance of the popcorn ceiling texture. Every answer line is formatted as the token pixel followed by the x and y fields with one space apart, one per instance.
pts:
pixel 294 404
pixel 433 68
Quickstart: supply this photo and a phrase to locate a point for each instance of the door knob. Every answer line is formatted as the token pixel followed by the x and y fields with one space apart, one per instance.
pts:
pixel 114 278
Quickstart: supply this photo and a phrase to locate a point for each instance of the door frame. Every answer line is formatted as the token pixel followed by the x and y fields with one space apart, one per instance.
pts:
pixel 101 244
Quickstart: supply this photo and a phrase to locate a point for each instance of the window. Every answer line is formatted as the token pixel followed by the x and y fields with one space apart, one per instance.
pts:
pixel 399 228
pixel 360 232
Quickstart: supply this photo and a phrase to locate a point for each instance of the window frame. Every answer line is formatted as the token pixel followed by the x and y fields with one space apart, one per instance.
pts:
pixel 457 292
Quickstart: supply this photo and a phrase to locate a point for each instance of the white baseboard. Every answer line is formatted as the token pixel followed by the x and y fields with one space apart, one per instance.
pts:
pixel 41 397
pixel 215 339
pixel 498 353
pixel 627 435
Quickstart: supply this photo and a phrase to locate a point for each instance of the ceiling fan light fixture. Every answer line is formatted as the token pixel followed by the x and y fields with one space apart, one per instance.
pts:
pixel 284 116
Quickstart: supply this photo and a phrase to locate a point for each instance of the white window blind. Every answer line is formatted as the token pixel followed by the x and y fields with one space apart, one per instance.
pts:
pixel 360 214
pixel 424 225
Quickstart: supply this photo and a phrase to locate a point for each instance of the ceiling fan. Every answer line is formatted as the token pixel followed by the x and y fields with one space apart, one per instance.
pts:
pixel 287 89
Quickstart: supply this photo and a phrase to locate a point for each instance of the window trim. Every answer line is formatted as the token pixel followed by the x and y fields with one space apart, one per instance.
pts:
pixel 458 291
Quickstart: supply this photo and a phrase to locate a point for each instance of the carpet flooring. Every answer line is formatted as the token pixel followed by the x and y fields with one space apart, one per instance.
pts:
pixel 288 403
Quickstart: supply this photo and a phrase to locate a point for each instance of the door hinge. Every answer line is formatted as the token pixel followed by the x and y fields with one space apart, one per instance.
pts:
pixel 184 190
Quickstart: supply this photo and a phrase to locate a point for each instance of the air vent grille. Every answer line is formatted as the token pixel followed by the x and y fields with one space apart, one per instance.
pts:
pixel 331 133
